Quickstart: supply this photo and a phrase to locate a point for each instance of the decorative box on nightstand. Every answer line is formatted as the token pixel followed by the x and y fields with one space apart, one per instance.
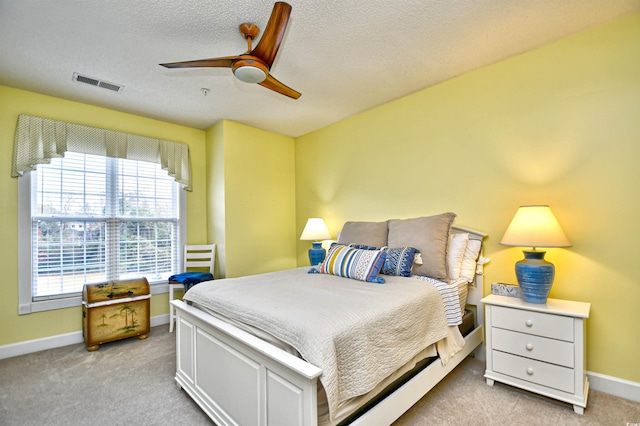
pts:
pixel 538 347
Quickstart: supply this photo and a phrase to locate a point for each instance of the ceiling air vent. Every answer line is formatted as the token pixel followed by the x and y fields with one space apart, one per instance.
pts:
pixel 97 82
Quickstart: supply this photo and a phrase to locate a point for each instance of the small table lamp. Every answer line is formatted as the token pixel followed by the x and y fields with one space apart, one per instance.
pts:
pixel 316 230
pixel 535 226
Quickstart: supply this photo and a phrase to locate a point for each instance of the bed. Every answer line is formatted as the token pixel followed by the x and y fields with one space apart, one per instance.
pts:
pixel 258 371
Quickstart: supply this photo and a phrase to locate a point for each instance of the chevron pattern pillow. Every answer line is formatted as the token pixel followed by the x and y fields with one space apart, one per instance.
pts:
pixel 399 261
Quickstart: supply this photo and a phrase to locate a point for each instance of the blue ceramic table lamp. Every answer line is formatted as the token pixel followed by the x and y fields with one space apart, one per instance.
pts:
pixel 535 226
pixel 316 230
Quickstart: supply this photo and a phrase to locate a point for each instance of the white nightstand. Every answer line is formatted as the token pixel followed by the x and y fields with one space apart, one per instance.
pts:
pixel 538 347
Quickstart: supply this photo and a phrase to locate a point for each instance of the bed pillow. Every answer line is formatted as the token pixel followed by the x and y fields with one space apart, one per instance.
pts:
pixel 471 255
pixel 349 262
pixel 366 233
pixel 399 261
pixel 455 253
pixel 430 236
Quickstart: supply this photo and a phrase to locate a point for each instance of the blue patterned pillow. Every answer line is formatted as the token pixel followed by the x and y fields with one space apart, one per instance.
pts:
pixel 399 261
pixel 350 262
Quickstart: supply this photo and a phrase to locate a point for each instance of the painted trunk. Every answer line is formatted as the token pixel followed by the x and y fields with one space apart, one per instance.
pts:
pixel 115 310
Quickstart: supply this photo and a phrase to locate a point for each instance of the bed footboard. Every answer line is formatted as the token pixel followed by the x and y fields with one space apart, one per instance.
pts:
pixel 238 379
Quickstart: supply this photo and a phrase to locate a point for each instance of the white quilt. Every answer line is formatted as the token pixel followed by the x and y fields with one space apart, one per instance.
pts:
pixel 356 332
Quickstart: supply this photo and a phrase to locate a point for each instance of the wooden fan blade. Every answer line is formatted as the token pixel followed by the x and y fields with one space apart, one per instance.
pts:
pixel 276 86
pixel 226 61
pixel 268 45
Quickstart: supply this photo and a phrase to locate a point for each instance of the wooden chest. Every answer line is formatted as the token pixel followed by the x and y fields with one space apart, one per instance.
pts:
pixel 115 310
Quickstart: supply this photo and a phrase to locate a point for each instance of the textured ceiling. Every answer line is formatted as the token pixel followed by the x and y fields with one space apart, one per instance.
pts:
pixel 343 56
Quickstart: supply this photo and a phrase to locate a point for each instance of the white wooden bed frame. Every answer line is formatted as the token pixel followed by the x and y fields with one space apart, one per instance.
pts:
pixel 264 385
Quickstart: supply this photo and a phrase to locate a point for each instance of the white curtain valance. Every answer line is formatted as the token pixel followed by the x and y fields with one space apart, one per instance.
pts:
pixel 38 140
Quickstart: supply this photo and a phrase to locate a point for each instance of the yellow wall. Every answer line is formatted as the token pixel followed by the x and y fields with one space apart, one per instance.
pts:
pixel 559 125
pixel 14 328
pixel 258 211
pixel 216 212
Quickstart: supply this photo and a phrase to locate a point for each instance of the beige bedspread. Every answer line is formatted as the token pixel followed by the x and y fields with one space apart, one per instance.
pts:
pixel 356 332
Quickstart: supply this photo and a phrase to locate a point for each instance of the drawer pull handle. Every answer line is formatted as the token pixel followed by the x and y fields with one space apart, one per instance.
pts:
pixel 528 323
pixel 529 347
pixel 530 371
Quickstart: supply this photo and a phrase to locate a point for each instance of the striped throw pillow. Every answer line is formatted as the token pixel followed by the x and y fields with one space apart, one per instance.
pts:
pixel 348 262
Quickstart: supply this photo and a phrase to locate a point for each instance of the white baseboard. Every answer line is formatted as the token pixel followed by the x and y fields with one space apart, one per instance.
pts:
pixel 599 382
pixel 37 345
pixel 614 386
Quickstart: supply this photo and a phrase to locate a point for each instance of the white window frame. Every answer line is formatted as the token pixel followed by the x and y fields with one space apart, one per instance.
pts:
pixel 26 304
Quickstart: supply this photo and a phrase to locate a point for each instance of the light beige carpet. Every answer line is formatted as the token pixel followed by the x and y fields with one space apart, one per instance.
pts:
pixel 131 382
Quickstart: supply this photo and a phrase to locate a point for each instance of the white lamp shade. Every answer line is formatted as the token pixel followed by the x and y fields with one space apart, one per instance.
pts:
pixel 535 226
pixel 315 230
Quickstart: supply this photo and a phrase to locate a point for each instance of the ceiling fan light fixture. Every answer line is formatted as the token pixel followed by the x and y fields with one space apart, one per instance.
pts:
pixel 250 74
pixel 250 70
pixel 254 65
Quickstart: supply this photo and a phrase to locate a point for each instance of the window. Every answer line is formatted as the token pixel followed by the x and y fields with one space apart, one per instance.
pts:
pixel 91 219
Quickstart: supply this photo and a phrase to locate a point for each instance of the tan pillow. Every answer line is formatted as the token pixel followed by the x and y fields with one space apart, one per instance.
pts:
pixel 366 233
pixel 430 235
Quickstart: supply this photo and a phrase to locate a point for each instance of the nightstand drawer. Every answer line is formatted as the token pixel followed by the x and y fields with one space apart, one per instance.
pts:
pixel 546 325
pixel 539 348
pixel 549 375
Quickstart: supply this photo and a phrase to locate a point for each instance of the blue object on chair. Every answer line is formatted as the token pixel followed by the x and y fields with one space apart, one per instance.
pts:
pixel 189 279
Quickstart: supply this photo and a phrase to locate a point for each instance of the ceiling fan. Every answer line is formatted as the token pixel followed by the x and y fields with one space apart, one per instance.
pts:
pixel 253 66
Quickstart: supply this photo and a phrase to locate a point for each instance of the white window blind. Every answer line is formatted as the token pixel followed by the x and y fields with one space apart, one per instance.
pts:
pixel 96 218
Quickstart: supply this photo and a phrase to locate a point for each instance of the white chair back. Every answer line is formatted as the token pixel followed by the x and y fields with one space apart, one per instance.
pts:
pixel 199 257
